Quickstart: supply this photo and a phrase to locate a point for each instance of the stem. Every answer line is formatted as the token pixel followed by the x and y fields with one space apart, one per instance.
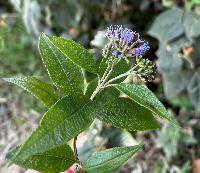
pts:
pixel 100 85
pixel 96 91
pixel 75 149
pixel 121 75
pixel 105 73
pixel 118 77
pixel 133 68
pixel 110 71
pixel 102 81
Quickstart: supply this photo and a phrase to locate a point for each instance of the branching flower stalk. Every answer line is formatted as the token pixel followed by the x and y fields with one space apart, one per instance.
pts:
pixel 124 44
pixel 129 72
pixel 103 81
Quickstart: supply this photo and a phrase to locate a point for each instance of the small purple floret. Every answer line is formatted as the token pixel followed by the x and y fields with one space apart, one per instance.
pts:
pixel 141 49
pixel 126 42
pixel 116 53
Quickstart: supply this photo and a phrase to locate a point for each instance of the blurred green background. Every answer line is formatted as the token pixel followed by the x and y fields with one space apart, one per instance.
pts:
pixel 172 27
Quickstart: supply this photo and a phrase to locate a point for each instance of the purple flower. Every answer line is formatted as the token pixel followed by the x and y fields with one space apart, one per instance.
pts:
pixel 141 49
pixel 126 42
pixel 116 53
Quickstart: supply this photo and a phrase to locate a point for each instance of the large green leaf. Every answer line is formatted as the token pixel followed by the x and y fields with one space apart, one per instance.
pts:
pixel 123 112
pixel 37 88
pixel 109 160
pixel 143 96
pixel 64 73
pixel 62 122
pixel 54 160
pixel 76 53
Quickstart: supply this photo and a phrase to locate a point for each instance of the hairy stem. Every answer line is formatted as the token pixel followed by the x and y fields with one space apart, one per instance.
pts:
pixel 102 81
pixel 105 73
pixel 118 77
pixel 96 91
pixel 131 71
pixel 75 150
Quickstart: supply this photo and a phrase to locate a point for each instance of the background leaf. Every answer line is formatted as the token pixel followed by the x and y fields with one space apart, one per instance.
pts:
pixel 168 25
pixel 193 89
pixel 37 88
pixel 76 53
pixel 109 160
pixel 169 58
pixel 66 75
pixel 170 64
pixel 143 96
pixel 124 113
pixel 168 139
pixel 192 24
pixel 54 160
pixel 173 83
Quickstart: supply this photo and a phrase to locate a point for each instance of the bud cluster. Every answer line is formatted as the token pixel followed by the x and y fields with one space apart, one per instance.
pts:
pixel 146 69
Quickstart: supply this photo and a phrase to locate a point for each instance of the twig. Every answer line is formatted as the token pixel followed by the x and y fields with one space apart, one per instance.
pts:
pixel 75 149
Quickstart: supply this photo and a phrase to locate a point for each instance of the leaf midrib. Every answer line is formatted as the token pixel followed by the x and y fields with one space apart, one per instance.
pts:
pixel 62 68
pixel 53 130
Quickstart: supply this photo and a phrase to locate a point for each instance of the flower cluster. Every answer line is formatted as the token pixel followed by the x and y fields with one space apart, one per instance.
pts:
pixel 126 42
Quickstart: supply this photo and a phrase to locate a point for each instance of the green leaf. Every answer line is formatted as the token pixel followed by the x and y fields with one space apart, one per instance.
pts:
pixel 62 122
pixel 120 68
pixel 76 53
pixel 109 160
pixel 37 88
pixel 54 160
pixel 168 25
pixel 123 112
pixel 143 96
pixel 64 73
